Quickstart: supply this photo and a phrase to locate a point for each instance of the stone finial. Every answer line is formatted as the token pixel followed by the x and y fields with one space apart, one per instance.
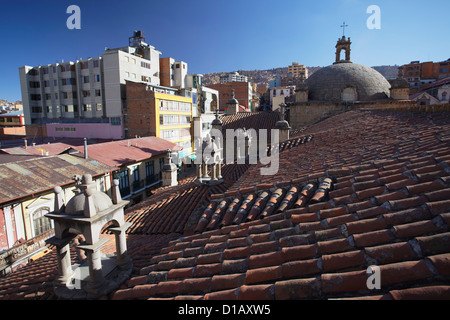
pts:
pixel 116 197
pixel 59 199
pixel 89 207
pixel 216 122
pixel 282 111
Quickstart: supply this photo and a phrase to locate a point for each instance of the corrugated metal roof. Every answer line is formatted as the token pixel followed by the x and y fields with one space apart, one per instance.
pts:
pixel 118 153
pixel 40 174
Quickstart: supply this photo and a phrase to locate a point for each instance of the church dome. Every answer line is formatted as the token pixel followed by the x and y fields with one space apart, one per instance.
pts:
pixel 347 82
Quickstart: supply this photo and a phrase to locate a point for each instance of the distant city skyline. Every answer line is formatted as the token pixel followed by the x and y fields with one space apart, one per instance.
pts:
pixel 222 36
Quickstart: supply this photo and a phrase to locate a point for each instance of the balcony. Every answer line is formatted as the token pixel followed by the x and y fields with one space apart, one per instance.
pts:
pixel 138 185
pixel 124 192
pixel 152 179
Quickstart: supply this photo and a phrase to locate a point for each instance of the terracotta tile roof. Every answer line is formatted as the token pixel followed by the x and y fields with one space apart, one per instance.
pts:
pixel 319 250
pixel 254 120
pixel 387 205
pixel 169 209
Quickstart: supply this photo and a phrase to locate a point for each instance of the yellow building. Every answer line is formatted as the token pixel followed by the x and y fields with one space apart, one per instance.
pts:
pixel 160 112
pixel 298 71
pixel 174 120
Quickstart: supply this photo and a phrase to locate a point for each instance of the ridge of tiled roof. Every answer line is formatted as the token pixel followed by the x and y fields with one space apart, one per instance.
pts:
pixel 169 209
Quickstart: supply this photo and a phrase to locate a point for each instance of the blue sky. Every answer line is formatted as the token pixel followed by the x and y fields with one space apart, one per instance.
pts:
pixel 222 35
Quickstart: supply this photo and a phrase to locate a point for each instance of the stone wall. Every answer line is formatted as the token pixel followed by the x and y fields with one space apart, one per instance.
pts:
pixel 306 113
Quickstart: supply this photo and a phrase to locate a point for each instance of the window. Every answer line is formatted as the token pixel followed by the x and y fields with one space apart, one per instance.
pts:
pixel 86 93
pixel 36 109
pixel 97 78
pixel 45 70
pixel 144 78
pixel 85 65
pixel 99 107
pixel 49 109
pixel 127 59
pixel 115 121
pixel 145 65
pixel 86 79
pixel 150 172
pixel 444 96
pixel 48 96
pixel 96 63
pixel 41 223
pixel 35 97
pixel 68 81
pixel 68 108
pixel 150 168
pixel 98 93
pixel 133 60
pixel 124 182
pixel 87 107
pixel 55 82
pixel 135 173
pixel 35 84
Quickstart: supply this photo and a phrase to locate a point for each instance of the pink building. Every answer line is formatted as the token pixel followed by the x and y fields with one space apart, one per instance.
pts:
pixel 84 130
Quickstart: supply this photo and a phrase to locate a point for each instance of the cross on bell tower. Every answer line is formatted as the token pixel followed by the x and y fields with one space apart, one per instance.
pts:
pixel 343 28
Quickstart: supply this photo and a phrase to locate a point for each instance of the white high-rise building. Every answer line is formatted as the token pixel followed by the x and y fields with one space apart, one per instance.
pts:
pixel 233 77
pixel 86 98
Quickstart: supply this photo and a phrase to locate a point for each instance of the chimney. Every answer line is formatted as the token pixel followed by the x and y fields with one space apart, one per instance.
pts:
pixel 85 149
pixel 26 144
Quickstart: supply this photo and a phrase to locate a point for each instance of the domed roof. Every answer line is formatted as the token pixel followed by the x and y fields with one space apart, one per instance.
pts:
pixel 328 83
pixel 75 206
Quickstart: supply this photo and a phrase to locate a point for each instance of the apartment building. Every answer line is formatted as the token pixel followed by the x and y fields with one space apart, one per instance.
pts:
pixel 297 70
pixel 172 73
pixel 233 77
pixel 278 95
pixel 86 97
pixel 12 124
pixel 243 92
pixel 419 73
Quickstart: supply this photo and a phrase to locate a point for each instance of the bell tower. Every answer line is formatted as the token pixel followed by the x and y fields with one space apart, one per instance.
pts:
pixel 343 44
